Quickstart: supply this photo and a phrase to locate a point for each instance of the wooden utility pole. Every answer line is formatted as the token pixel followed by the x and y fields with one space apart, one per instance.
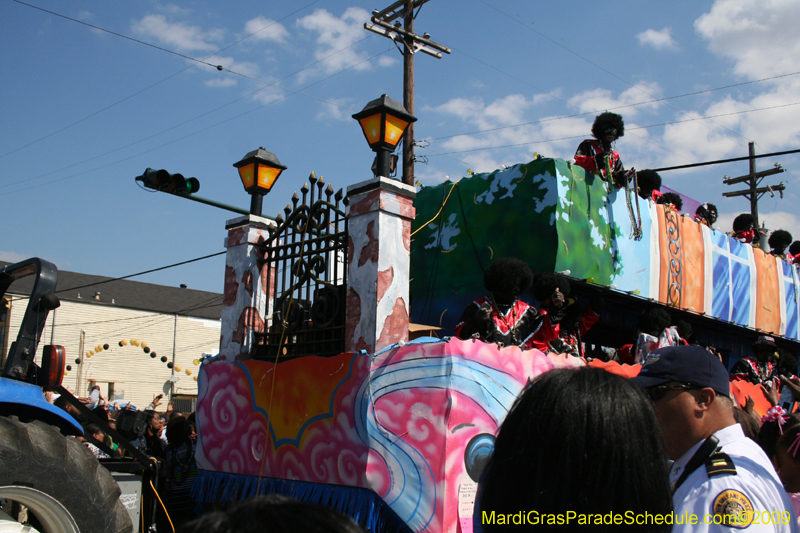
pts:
pixel 754 178
pixel 412 43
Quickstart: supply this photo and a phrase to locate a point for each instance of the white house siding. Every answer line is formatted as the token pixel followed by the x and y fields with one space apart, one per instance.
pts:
pixel 135 375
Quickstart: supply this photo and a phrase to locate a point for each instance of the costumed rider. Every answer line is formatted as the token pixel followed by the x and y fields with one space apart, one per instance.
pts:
pixel 649 184
pixel 597 155
pixel 760 367
pixel 706 214
pixel 779 241
pixel 571 332
pixel 501 317
pixel 794 253
pixel 745 231
pixel 552 290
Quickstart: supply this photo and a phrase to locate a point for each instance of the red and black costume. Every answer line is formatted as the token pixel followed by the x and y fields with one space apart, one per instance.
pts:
pixel 752 370
pixel 590 153
pixel 551 338
pixel 512 324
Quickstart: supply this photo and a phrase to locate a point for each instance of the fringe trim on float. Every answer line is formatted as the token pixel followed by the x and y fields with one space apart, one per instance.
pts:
pixel 365 506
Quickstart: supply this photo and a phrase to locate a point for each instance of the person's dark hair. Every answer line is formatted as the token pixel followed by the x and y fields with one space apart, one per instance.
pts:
pixel 707 212
pixel 787 363
pixel 771 434
pixel 178 431
pixel 509 275
pixel 671 198
pixel 653 321
pixel 744 222
pixel 649 181
pixel 580 440
pixel 101 412
pixel 606 121
pixel 91 428
pixel 546 284
pixel 279 513
pixel 794 249
pixel 684 328
pixel 61 402
pixel 572 317
pixel 779 240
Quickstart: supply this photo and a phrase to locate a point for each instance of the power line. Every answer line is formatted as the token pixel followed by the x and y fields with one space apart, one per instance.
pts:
pixel 631 129
pixel 718 161
pixel 172 127
pixel 563 117
pixel 249 112
pixel 201 61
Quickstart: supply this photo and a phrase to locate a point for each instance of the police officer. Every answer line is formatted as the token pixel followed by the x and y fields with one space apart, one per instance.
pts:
pixel 722 480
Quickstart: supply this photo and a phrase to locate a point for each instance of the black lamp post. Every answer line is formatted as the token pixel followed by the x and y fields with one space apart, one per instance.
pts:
pixel 259 171
pixel 383 122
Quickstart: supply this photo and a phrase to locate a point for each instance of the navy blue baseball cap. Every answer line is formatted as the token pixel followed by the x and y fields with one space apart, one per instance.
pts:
pixel 693 365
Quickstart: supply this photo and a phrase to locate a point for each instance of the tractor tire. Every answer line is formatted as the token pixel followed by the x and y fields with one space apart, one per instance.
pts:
pixel 36 455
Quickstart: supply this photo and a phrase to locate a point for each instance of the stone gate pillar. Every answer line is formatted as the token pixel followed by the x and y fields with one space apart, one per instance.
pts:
pixel 245 288
pixel 379 227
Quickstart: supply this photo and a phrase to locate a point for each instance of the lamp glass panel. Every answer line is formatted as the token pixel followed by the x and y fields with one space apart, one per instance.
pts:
pixel 394 129
pixel 372 128
pixel 246 173
pixel 267 176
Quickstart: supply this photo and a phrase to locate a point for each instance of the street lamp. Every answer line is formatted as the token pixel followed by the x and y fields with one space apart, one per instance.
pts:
pixel 383 121
pixel 259 171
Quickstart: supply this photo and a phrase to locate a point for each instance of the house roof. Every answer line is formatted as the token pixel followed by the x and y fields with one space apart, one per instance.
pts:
pixel 124 293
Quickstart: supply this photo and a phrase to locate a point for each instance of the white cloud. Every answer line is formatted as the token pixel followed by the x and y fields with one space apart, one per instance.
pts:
pixel 221 82
pixel 335 112
pixel 599 100
pixel 660 40
pixel 758 36
pixel 177 35
pixel 335 39
pixel 264 29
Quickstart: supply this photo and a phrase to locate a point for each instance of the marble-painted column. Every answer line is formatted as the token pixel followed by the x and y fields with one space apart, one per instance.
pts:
pixel 245 286
pixel 379 226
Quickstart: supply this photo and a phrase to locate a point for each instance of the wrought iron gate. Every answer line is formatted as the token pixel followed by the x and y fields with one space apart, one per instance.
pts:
pixel 304 261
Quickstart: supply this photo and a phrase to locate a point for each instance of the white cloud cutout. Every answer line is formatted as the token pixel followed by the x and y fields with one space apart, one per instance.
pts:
pixel 660 40
pixel 264 29
pixel 182 37
pixel 334 36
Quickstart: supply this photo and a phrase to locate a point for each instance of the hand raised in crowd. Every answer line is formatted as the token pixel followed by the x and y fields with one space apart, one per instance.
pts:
pixel 771 392
pixel 793 384
pixel 749 405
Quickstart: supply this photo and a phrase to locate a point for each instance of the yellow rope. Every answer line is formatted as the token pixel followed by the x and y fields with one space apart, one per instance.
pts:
pixel 163 506
pixel 439 211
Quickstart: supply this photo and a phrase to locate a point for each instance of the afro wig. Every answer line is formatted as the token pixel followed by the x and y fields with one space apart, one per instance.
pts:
pixel 608 121
pixel 653 321
pixel 707 212
pixel 744 222
pixel 649 181
pixel 508 275
pixel 547 283
pixel 779 241
pixel 794 249
pixel 671 198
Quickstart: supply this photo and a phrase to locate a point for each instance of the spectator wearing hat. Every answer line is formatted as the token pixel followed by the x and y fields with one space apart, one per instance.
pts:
pixel 760 367
pixel 717 471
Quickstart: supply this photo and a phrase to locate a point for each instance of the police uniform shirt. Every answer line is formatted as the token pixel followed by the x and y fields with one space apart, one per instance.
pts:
pixel 755 488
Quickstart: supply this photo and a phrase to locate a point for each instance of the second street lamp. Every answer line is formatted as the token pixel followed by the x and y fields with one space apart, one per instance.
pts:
pixel 383 122
pixel 259 170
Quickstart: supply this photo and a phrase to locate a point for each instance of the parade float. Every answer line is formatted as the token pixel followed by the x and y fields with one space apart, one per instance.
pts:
pixel 318 393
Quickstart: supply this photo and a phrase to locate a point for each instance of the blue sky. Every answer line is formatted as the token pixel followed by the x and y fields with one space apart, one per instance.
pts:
pixel 85 111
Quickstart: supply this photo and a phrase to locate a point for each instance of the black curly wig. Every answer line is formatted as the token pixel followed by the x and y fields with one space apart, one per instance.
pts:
pixel 779 241
pixel 653 321
pixel 508 275
pixel 794 249
pixel 606 121
pixel 744 222
pixel 649 181
pixel 707 212
pixel 547 283
pixel 671 198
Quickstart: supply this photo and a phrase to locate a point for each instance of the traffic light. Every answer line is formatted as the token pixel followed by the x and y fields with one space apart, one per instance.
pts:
pixel 161 180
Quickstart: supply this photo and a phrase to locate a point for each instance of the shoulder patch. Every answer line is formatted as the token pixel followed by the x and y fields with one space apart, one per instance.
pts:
pixel 733 508
pixel 718 464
